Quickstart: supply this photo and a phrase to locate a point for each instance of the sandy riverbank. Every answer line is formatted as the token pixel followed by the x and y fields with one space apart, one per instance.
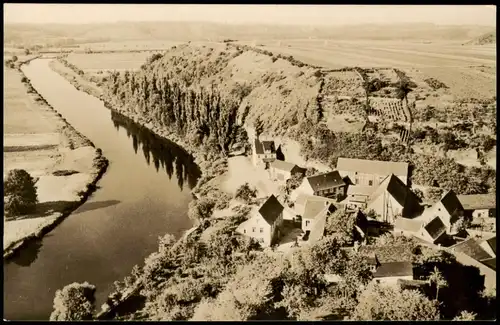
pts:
pixel 39 140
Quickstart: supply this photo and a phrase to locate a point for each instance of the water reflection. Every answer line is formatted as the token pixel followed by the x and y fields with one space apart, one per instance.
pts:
pixel 161 152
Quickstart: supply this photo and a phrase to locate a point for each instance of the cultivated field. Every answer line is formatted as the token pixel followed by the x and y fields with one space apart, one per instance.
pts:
pixel 37 140
pixel 469 71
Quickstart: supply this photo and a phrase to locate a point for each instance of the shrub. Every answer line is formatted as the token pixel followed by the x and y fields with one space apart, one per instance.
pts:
pixel 20 189
pixel 74 302
pixel 245 193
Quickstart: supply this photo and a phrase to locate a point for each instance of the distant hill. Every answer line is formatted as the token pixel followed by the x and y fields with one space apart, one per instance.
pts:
pixel 488 38
pixel 53 34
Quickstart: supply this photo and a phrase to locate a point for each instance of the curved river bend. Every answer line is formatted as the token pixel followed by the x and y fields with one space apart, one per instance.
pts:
pixel 144 194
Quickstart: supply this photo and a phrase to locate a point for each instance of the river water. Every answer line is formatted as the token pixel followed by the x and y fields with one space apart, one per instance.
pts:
pixel 144 194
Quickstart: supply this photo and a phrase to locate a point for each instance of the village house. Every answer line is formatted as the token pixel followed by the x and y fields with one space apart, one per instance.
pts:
pixel 407 227
pixel 479 205
pixel 357 196
pixel 479 250
pixel 433 231
pixel 393 199
pixel 448 209
pixel 392 273
pixel 282 170
pixel 264 225
pixel 302 199
pixel 315 210
pixel 263 152
pixel 371 172
pixel 328 185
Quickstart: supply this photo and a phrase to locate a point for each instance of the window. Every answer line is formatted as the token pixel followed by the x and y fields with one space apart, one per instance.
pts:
pixel 261 230
pixel 356 180
pixel 244 231
pixel 253 229
pixel 307 223
pixel 370 183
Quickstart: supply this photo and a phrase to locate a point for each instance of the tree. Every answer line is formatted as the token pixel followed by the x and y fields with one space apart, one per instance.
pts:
pixel 461 225
pixel 200 209
pixel 434 193
pixel 245 193
pixel 20 189
pixel 418 193
pixel 393 303
pixel 75 301
pixel 437 278
pixel 465 316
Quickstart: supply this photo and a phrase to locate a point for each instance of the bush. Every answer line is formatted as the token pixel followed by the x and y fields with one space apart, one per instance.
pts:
pixel 74 302
pixel 245 193
pixel 20 189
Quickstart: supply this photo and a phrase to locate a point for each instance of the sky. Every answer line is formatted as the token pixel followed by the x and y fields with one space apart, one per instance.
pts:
pixel 277 14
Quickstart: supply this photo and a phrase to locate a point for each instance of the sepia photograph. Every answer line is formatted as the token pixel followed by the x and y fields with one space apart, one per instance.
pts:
pixel 203 162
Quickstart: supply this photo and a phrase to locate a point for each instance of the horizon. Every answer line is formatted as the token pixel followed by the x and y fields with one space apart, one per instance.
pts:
pixel 286 15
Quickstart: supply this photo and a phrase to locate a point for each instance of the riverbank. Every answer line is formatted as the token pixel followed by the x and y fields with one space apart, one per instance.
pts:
pixel 65 164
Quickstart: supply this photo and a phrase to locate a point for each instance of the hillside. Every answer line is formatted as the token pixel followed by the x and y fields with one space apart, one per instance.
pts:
pixel 488 38
pixel 213 95
pixel 56 34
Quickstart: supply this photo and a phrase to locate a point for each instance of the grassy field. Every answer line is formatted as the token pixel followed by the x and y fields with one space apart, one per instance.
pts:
pixel 37 140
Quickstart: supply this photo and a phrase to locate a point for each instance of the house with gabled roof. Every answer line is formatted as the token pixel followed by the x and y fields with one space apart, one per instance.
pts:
pixel 263 152
pixel 448 209
pixel 329 185
pixel 265 224
pixel 407 226
pixel 432 231
pixel 282 170
pixel 474 249
pixel 393 199
pixel 392 272
pixel 479 205
pixel 371 172
pixel 358 196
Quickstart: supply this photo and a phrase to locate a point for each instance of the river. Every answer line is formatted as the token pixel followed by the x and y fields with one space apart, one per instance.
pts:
pixel 143 194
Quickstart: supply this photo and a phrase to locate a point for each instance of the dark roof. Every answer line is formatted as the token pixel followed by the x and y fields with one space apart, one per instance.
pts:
pixel 491 263
pixel 398 190
pixel 325 181
pixel 373 166
pixel 271 209
pixel 471 247
pixel 435 228
pixel 394 269
pixel 259 149
pixel 478 201
pixel 269 145
pixel 492 242
pixel 451 202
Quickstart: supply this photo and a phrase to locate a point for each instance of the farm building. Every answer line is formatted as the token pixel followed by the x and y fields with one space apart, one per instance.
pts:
pixel 474 248
pixel 371 172
pixel 302 199
pixel 265 224
pixel 406 226
pixel 357 196
pixel 328 185
pixel 448 209
pixel 433 231
pixel 479 205
pixel 392 272
pixel 282 170
pixel 263 152
pixel 393 199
